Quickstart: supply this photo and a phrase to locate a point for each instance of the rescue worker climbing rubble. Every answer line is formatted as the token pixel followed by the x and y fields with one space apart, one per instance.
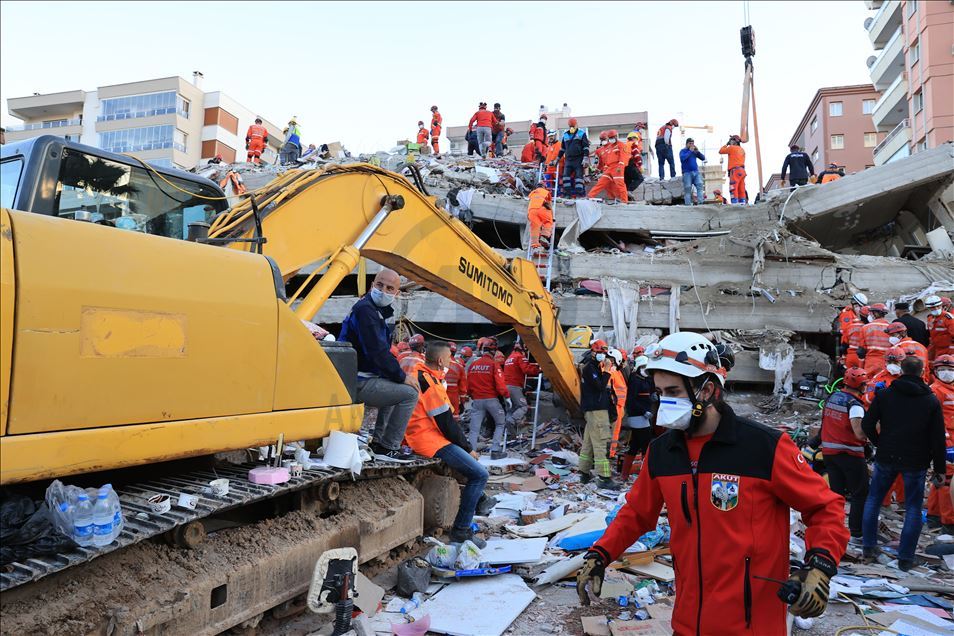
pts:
pixel 552 167
pixel 487 389
pixel 256 139
pixel 436 123
pixel 613 158
pixel 736 169
pixel 483 122
pixel 848 315
pixel 833 173
pixel 728 484
pixel 575 149
pixel 516 370
pixel 633 174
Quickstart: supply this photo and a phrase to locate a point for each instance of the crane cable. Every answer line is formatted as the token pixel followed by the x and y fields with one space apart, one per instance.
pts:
pixel 152 168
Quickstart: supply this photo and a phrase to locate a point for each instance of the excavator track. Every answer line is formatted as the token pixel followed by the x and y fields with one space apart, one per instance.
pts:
pixel 141 523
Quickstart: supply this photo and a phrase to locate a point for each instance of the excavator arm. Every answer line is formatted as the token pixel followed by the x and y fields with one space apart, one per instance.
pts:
pixel 334 215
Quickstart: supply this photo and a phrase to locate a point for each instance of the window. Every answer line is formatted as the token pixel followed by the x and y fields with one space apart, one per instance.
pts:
pixel 184 106
pixel 10 172
pixel 922 145
pixel 867 106
pixel 918 101
pixel 914 53
pixel 141 139
pixel 912 7
pixel 814 123
pixel 129 196
pixel 837 142
pixel 55 123
pixel 119 108
pixel 815 154
pixel 835 109
pixel 871 140
pixel 161 163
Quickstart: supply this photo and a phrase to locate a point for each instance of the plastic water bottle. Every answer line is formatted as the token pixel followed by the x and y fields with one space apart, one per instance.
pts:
pixel 117 511
pixel 83 520
pixel 102 519
pixel 412 604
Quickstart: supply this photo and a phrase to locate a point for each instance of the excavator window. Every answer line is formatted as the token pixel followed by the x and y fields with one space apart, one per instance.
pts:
pixel 10 172
pixel 95 189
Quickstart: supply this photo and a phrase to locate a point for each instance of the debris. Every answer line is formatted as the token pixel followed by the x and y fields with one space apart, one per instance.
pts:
pixel 478 607
pixel 368 595
pixel 513 551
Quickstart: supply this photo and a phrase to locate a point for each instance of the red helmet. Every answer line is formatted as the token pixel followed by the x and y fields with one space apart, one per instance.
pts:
pixel 946 302
pixel 453 347
pixel 865 311
pixel 403 346
pixel 895 327
pixel 735 138
pixel 673 122
pixel 879 308
pixel 420 123
pixel 416 342
pixel 855 377
pixel 638 350
pixel 897 354
pixel 603 135
pixel 909 348
pixel 487 343
pixel 433 108
pixel 572 123
pixel 946 360
pixel 612 133
pixel 623 353
pixel 466 352
pixel 599 345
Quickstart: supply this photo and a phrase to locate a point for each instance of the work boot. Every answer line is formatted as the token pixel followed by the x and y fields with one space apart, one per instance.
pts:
pixel 498 454
pixel 933 521
pixel 869 555
pixel 605 483
pixel 585 478
pixel 484 505
pixel 905 564
pixel 459 535
pixel 947 528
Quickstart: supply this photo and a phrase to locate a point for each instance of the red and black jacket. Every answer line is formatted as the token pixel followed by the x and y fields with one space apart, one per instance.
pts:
pixel 729 522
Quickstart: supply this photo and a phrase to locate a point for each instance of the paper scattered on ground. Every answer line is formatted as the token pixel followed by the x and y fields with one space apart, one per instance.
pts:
pixel 478 607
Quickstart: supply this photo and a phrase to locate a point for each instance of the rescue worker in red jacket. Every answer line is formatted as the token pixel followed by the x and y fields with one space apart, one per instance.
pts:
pixel 843 445
pixel 736 169
pixel 940 328
pixel 483 122
pixel 855 334
pixel 940 509
pixel 611 160
pixel 874 340
pixel 421 134
pixel 884 378
pixel 487 389
pixel 256 138
pixel 848 316
pixel 456 379
pixel 540 217
pixel 898 337
pixel 436 123
pixel 728 484
pixel 466 353
pixel 515 371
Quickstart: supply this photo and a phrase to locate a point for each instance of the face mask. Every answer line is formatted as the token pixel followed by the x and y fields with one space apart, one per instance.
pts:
pixel 894 340
pixel 572 130
pixel 381 299
pixel 674 413
pixel 612 140
pixel 894 369
pixel 936 312
pixel 600 357
pixel 603 142
pixel 869 318
pixel 946 375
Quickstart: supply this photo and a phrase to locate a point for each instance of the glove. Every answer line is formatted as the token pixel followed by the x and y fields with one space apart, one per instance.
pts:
pixel 246 147
pixel 592 572
pixel 937 480
pixel 509 403
pixel 813 580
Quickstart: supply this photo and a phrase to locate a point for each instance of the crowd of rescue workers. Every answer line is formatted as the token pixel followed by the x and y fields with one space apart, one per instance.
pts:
pixel 657 422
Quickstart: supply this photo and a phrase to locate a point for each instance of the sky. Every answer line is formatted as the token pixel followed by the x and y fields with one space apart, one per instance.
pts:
pixel 364 73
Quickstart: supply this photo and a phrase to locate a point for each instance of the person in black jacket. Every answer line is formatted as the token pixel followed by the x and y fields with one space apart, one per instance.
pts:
pixel 595 401
pixel 575 151
pixel 639 409
pixel 917 331
pixel 906 425
pixel 801 166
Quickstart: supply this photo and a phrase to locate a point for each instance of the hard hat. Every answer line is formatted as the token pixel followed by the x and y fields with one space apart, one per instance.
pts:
pixel 219 157
pixel 552 133
pixel 612 133
pixel 864 311
pixel 687 354
pixel 640 362
pixel 544 116
pixel 717 191
pixel 895 353
pixel 946 360
pixel 616 355
pixel 420 123
pixel 859 299
pixel 258 120
pixel 293 120
pixel 932 302
pixel 482 105
pixel 735 138
pixel 572 123
pixel 910 349
pixel 945 301
pixel 403 346
pixel 604 135
pixel 433 108
pixel 833 165
pixel 639 125
pixel 466 352
pixel 879 308
pixel 632 135
pixel 673 122
pixel 416 341
pixel 453 347
pixel 855 377
pixel 895 327
pixel 487 343
pixel 599 345
pixel 623 352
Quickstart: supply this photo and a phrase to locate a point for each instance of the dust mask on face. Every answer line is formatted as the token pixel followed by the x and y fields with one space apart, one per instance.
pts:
pixel 675 413
pixel 600 357
pixel 380 298
pixel 869 318
pixel 603 142
pixel 945 375
pixel 936 312
pixel 893 369
pixel 894 340
pixel 612 140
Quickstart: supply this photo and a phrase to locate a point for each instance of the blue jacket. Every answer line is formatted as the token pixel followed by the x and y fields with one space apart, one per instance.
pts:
pixel 575 145
pixel 688 159
pixel 370 335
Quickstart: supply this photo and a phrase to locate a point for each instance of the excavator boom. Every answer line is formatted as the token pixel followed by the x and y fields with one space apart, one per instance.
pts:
pixel 329 216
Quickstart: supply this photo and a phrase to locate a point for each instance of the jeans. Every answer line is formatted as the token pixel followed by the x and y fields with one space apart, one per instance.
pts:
pixel 289 153
pixel 498 144
pixel 496 411
pixel 881 479
pixel 461 461
pixel 385 394
pixel 848 476
pixel 484 139
pixel 690 179
pixel 664 154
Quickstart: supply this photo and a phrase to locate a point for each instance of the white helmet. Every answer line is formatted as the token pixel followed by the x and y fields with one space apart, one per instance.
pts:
pixel 687 354
pixel 617 355
pixel 639 362
pixel 859 299
pixel 932 302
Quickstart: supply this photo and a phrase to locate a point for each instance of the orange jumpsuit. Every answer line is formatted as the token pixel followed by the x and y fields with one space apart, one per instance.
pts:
pixel 422 136
pixel 885 378
pixel 540 216
pixel 456 378
pixel 941 331
pixel 854 341
pixel 736 172
pixel 613 161
pixel 845 318
pixel 618 384
pixel 875 343
pixel 915 348
pixel 529 153
pixel 939 499
pixel 553 152
pixel 255 139
pixel 436 121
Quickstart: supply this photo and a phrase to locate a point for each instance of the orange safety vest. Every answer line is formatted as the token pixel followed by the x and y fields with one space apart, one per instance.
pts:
pixel 256 132
pixel 661 133
pixel 422 135
pixel 539 197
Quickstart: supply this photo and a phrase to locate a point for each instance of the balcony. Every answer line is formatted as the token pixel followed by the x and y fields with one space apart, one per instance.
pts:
pixel 897 140
pixel 892 107
pixel 57 123
pixel 884 23
pixel 52 106
pixel 888 64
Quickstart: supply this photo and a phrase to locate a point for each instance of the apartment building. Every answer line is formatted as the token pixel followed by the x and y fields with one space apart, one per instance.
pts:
pixel 837 128
pixel 913 69
pixel 169 121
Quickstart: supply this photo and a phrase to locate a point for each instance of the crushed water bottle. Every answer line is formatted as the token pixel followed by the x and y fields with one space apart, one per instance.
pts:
pixel 102 519
pixel 83 520
pixel 412 604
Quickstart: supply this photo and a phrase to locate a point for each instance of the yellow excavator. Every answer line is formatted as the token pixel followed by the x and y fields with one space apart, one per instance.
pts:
pixel 121 349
